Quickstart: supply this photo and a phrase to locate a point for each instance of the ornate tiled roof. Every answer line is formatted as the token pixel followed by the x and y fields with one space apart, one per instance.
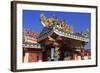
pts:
pixel 47 31
pixel 30 40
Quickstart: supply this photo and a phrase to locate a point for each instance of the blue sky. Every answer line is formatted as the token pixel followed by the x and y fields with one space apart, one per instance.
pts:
pixel 79 21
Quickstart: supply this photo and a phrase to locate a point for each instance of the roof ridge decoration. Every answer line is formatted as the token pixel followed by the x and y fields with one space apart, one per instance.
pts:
pixel 59 27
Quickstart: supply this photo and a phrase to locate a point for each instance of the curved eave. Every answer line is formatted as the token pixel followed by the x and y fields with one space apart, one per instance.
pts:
pixel 71 36
pixel 63 34
pixel 31 47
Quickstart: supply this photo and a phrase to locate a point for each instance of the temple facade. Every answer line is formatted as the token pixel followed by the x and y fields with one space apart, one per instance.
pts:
pixel 60 45
pixel 56 42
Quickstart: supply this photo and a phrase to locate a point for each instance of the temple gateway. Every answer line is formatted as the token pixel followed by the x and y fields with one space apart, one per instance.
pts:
pixel 56 42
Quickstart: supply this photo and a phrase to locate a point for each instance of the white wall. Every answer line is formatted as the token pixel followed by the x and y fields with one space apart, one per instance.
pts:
pixel 5 37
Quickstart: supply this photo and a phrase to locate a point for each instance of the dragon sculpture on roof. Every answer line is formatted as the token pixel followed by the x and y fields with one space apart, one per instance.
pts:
pixel 61 25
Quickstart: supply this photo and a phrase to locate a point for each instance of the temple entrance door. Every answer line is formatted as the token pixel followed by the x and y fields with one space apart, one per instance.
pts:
pixel 54 54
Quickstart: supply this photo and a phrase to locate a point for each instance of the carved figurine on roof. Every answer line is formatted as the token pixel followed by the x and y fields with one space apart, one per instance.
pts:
pixel 65 27
pixel 87 33
pixel 46 22
pixel 61 25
